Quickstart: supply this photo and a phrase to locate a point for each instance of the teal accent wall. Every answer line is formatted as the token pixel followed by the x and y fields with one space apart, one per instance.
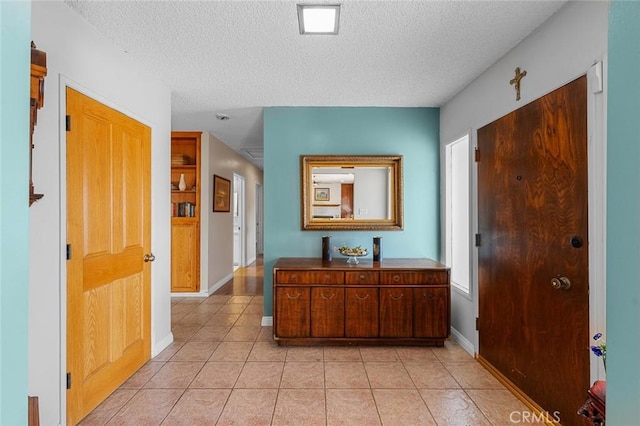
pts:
pixel 623 215
pixel 15 57
pixel 290 132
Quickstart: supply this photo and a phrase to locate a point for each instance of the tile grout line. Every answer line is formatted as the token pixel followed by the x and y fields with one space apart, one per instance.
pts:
pixel 477 406
pixel 324 374
pixel 119 409
pixel 418 389
pixel 244 363
pixel 192 379
pixel 373 397
pixel 203 365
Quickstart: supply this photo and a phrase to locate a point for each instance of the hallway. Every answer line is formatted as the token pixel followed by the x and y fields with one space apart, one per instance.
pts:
pixel 223 368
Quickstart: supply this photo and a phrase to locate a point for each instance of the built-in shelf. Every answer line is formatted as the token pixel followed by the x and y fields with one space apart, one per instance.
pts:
pixel 185 219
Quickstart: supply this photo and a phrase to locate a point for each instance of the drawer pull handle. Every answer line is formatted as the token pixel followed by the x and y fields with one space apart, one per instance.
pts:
pixel 327 278
pixel 366 296
pixel 396 278
pixel 396 297
pixel 293 296
pixel 294 277
pixel 362 277
pixel 324 296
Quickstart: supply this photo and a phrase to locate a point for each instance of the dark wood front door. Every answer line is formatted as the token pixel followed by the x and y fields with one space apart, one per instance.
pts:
pixel 346 201
pixel 532 208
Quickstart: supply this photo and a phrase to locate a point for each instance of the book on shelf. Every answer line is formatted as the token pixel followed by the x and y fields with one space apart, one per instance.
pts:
pixel 185 209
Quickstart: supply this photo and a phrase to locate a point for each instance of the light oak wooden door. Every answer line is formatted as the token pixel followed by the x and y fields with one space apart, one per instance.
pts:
pixel 533 221
pixel 185 255
pixel 109 233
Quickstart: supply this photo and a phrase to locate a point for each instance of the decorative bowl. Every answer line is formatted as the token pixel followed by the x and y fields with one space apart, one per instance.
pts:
pixel 353 253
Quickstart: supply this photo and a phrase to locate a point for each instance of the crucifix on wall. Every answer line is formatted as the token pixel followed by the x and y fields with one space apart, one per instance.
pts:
pixel 516 81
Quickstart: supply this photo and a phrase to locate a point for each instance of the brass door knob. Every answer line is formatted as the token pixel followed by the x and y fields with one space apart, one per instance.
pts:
pixel 561 283
pixel 149 257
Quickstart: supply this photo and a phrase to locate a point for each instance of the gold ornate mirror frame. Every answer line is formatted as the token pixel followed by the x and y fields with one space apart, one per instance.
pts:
pixel 317 196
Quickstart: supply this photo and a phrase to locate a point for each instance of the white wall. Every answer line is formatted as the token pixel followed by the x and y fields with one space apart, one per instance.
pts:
pixel 563 49
pixel 79 57
pixel 371 193
pixel 335 197
pixel 217 228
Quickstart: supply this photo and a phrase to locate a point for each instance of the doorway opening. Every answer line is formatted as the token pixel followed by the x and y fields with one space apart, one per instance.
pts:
pixel 259 225
pixel 238 222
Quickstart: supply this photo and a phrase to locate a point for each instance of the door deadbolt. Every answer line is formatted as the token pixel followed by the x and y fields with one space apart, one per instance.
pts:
pixel 561 283
pixel 576 241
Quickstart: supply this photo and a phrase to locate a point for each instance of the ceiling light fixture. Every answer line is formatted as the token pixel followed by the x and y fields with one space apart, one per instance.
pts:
pixel 318 19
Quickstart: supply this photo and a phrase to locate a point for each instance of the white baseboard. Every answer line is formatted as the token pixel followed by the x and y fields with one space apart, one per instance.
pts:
pixel 267 321
pixel 462 341
pixel 162 344
pixel 205 292
pixel 190 294
pixel 213 288
pixel 250 261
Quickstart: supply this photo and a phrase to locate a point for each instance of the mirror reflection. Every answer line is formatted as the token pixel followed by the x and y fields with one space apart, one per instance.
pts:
pixel 336 197
pixel 352 192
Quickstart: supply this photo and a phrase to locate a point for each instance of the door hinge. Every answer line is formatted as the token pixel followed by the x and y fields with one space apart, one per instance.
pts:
pixel 477 323
pixel 477 155
pixel 68 251
pixel 478 240
pixel 68 381
pixel 68 123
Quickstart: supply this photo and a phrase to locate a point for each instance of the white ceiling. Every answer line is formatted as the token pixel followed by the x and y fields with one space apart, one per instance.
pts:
pixel 236 57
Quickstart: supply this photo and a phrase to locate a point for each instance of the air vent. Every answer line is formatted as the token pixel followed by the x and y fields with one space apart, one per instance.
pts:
pixel 255 153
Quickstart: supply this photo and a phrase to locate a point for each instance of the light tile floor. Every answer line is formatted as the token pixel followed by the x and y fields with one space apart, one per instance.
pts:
pixel 224 369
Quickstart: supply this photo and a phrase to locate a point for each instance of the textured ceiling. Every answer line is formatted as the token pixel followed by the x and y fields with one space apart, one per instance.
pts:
pixel 236 57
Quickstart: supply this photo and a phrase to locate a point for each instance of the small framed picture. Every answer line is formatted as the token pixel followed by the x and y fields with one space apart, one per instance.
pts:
pixel 221 194
pixel 321 194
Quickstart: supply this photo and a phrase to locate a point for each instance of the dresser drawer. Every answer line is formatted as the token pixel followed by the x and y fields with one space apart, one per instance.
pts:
pixel 309 277
pixel 362 277
pixel 417 277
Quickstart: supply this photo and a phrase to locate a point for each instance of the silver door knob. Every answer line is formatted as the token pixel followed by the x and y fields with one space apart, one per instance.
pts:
pixel 149 257
pixel 561 283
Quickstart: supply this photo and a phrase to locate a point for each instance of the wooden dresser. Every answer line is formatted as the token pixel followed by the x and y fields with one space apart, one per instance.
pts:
pixel 396 301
